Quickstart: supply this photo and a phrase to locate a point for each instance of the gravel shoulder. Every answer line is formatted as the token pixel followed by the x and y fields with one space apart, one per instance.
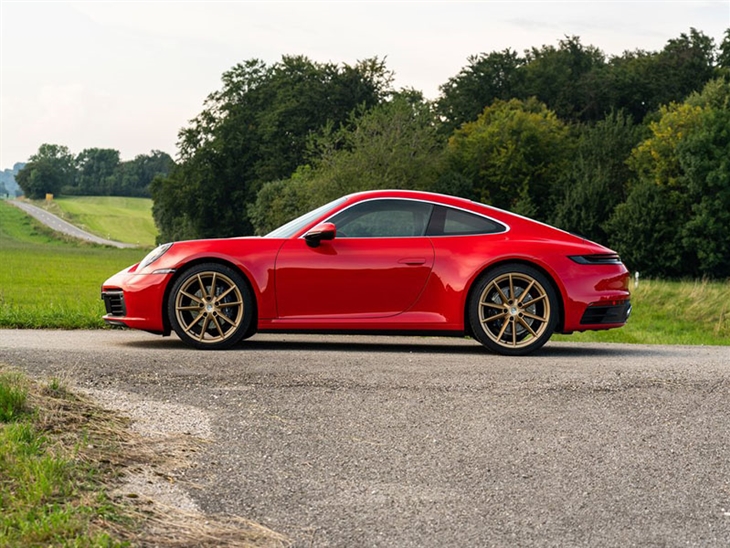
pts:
pixel 351 441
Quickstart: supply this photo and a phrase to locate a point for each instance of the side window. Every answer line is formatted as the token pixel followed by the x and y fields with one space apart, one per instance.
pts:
pixel 447 221
pixel 383 219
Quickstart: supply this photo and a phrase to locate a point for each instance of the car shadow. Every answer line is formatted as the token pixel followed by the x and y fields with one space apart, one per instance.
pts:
pixel 420 345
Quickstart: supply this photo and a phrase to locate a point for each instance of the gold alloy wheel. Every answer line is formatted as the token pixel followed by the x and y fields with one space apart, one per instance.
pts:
pixel 209 307
pixel 514 310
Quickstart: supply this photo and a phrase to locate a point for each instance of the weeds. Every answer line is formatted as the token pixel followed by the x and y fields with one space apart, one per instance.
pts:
pixel 63 465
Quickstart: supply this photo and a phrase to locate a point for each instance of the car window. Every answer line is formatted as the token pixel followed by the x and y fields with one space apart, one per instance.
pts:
pixel 383 219
pixel 292 227
pixel 447 221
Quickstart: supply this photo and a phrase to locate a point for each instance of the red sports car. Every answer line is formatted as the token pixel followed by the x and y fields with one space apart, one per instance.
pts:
pixel 394 262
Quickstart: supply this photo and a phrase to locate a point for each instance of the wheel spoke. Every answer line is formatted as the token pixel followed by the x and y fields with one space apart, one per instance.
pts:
pixel 501 294
pixel 188 328
pixel 535 317
pixel 227 319
pixel 218 326
pixel 529 288
pixel 512 288
pixel 203 289
pixel 204 329
pixel 535 300
pixel 226 292
pixel 502 331
pixel 228 305
pixel 496 317
pixel 491 304
pixel 191 296
pixel 527 326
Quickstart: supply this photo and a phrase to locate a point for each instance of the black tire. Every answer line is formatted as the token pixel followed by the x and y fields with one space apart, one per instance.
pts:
pixel 211 307
pixel 513 310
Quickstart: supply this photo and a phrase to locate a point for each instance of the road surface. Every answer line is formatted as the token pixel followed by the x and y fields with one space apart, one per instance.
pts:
pixel 427 442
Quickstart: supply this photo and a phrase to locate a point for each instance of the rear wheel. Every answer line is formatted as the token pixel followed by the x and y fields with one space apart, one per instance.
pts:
pixel 513 310
pixel 211 307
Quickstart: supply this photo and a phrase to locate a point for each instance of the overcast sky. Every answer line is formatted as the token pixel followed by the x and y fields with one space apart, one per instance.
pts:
pixel 129 75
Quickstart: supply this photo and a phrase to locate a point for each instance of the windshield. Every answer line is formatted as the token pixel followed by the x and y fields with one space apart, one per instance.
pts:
pixel 292 227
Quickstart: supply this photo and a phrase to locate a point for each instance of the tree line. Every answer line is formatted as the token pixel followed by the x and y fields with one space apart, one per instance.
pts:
pixel 92 172
pixel 630 151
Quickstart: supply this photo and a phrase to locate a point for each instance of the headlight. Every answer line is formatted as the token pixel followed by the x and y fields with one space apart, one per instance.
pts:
pixel 153 255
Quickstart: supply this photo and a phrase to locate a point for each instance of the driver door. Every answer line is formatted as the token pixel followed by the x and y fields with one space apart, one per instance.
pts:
pixel 376 266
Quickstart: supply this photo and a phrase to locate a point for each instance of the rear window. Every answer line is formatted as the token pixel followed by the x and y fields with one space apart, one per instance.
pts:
pixel 447 221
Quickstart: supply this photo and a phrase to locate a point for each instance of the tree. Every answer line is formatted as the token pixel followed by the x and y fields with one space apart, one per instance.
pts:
pixel 513 155
pixel 133 178
pixel 392 145
pixel 486 77
pixel 639 82
pixel 559 77
pixel 47 171
pixel 94 170
pixel 723 56
pixel 598 177
pixel 253 130
pixel 675 221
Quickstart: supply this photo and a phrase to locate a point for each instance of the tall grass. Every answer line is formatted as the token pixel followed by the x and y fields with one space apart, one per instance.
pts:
pixel 50 283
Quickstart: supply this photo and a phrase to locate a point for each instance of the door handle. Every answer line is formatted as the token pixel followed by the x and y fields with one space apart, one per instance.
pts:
pixel 414 261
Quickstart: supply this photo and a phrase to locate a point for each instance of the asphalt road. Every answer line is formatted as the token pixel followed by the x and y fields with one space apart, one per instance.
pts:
pixel 419 442
pixel 59 225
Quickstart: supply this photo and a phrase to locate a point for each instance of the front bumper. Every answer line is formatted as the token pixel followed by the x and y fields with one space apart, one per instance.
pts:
pixel 136 300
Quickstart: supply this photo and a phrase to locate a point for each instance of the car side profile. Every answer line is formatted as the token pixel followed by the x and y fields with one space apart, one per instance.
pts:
pixel 386 262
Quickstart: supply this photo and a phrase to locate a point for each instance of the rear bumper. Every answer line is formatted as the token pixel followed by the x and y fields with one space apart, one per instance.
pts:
pixel 602 314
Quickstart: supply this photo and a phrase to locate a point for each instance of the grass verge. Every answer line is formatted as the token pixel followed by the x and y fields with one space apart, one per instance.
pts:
pixel 51 467
pixel 62 461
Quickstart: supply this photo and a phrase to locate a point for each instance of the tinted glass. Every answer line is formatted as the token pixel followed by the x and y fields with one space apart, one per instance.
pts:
pixel 383 219
pixel 447 221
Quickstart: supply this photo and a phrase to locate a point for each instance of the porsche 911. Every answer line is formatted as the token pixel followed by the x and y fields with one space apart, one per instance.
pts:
pixel 379 262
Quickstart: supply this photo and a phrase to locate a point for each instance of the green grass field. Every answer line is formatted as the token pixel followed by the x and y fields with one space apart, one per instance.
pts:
pixel 121 219
pixel 46 282
pixel 50 283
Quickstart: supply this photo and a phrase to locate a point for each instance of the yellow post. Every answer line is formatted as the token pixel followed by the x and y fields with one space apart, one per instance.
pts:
pixel 49 197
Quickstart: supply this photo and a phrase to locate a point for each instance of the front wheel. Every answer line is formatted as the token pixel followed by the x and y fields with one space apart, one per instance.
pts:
pixel 513 310
pixel 210 307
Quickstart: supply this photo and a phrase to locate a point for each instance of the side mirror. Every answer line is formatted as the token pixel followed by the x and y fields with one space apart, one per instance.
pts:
pixel 323 231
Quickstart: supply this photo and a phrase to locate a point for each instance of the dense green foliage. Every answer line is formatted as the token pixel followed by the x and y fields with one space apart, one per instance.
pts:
pixel 93 172
pixel 676 218
pixel 578 82
pixel 513 156
pixel 393 145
